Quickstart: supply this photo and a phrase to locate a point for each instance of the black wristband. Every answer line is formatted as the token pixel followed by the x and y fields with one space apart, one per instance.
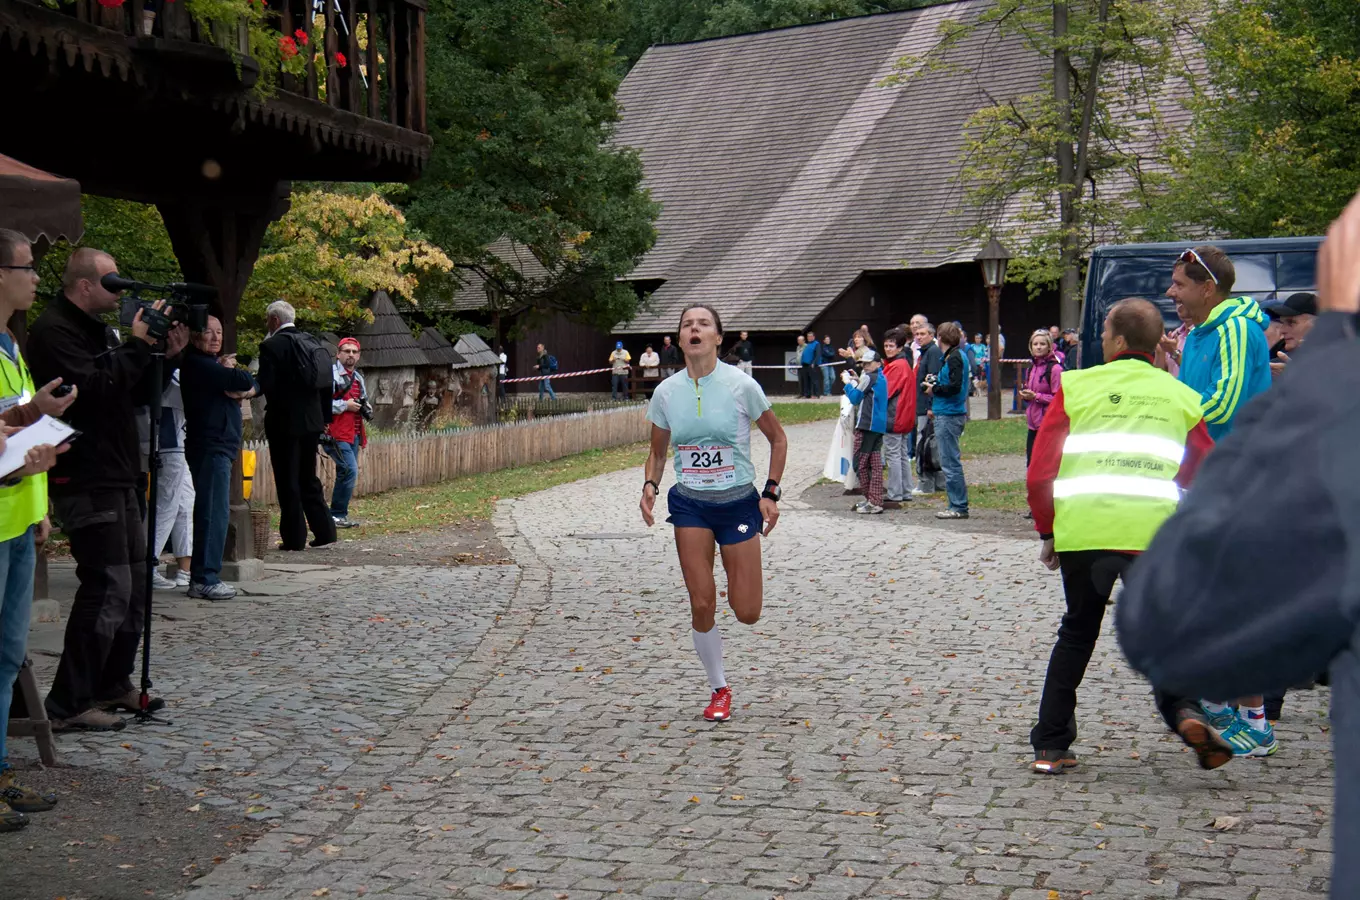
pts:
pixel 654 485
pixel 769 495
pixel 1045 537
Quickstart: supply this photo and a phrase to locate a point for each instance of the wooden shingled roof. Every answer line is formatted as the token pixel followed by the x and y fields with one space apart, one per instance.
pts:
pixel 785 167
pixel 388 343
pixel 476 352
pixel 438 349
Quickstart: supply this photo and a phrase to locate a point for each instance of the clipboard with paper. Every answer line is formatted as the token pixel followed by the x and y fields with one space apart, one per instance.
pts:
pixel 46 430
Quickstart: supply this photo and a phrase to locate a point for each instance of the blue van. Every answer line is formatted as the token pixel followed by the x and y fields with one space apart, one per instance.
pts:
pixel 1267 269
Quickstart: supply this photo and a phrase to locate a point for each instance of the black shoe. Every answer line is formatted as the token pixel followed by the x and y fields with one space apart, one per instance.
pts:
pixel 11 820
pixel 1194 728
pixel 1051 762
pixel 318 543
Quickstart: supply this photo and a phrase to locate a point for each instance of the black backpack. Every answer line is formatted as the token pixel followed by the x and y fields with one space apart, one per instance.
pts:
pixel 928 449
pixel 312 363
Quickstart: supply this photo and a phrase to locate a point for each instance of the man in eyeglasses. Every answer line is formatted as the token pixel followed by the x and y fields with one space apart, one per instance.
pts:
pixel 1227 360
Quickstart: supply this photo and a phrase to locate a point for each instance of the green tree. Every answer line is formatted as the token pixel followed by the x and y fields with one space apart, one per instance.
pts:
pixel 521 109
pixel 1063 165
pixel 1274 146
pixel 333 248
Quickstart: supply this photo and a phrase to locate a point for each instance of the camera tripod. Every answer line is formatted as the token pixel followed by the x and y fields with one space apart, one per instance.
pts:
pixel 144 716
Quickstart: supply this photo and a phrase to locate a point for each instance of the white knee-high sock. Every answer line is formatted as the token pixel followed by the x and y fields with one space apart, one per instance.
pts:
pixel 709 647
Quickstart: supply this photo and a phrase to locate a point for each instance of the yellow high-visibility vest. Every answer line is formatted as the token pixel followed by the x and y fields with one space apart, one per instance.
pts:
pixel 26 503
pixel 1116 484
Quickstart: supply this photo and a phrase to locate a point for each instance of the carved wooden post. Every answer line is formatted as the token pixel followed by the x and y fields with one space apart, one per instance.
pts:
pixel 217 241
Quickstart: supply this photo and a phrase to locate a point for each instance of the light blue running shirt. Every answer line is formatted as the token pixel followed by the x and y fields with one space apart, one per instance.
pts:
pixel 710 426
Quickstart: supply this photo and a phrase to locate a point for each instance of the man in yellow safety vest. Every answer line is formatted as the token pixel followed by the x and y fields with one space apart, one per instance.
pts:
pixel 1119 443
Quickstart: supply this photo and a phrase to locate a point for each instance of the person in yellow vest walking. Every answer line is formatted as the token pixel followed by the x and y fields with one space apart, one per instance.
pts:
pixel 1119 443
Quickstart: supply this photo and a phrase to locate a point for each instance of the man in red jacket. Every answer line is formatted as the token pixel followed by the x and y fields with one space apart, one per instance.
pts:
pixel 349 399
pixel 1117 443
pixel 902 402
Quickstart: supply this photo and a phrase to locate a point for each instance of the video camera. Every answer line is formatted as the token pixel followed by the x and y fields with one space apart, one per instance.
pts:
pixel 179 306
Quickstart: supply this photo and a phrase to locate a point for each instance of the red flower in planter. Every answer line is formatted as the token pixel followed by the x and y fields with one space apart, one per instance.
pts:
pixel 110 3
pixel 301 37
pixel 287 47
pixel 339 57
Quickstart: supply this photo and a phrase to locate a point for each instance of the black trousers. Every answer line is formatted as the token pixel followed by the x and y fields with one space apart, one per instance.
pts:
pixel 1088 579
pixel 302 502
pixel 810 379
pixel 1029 445
pixel 104 629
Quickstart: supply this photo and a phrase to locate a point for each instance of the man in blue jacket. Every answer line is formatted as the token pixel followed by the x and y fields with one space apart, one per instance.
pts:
pixel 1209 610
pixel 1225 356
pixel 1226 359
pixel 810 355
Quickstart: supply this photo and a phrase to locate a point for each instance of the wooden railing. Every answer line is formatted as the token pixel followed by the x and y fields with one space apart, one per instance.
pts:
pixel 384 79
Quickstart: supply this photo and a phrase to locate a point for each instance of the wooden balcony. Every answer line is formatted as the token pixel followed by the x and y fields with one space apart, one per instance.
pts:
pixel 148 73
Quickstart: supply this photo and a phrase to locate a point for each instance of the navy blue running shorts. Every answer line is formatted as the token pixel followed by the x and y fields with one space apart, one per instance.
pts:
pixel 731 522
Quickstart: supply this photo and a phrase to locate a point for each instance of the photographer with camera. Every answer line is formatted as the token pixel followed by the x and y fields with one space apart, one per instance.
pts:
pixel 213 389
pixel 346 435
pixel 296 378
pixel 94 487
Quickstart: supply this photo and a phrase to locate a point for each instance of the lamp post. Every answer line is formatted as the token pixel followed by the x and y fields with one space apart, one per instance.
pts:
pixel 993 259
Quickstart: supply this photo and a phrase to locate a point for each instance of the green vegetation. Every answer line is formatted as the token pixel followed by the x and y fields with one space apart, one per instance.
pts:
pixel 1009 495
pixel 475 496
pixel 799 413
pixel 990 438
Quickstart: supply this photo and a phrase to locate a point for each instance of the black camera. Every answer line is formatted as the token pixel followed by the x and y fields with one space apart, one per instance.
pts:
pixel 366 409
pixel 179 304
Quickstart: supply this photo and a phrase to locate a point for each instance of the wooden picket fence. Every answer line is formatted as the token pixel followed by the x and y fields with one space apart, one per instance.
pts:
pixel 399 461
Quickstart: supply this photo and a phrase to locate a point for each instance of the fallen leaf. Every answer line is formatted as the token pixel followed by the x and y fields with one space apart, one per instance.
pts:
pixel 127 866
pixel 738 796
pixel 321 892
pixel 1054 895
pixel 1223 823
pixel 196 807
pixel 329 849
pixel 849 872
pixel 517 886
pixel 694 799
pixel 447 827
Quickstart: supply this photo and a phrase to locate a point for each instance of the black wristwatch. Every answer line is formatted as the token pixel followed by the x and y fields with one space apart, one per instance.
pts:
pixel 656 487
pixel 772 491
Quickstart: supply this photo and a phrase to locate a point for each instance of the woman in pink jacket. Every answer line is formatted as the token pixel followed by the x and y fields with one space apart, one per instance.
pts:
pixel 1045 376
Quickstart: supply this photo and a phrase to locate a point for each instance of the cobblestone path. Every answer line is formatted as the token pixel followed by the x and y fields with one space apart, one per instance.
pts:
pixel 535 731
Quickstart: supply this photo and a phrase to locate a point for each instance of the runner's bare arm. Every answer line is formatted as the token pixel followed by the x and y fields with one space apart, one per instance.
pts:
pixel 779 452
pixel 653 470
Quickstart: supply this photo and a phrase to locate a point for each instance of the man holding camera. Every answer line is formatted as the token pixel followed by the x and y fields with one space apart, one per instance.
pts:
pixel 95 491
pixel 293 421
pixel 349 410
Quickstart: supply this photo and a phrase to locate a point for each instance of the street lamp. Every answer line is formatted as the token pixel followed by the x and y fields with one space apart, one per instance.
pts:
pixel 993 259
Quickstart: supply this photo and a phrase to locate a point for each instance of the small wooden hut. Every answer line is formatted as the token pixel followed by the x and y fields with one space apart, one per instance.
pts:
pixel 391 362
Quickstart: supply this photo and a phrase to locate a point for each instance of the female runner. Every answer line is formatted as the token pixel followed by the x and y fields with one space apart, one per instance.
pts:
pixel 706 411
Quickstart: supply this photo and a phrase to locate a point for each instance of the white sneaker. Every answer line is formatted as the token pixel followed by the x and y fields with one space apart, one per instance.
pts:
pixel 869 509
pixel 181 579
pixel 160 583
pixel 219 591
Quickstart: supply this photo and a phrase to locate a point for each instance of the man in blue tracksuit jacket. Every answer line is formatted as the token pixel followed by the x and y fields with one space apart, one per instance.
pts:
pixel 1225 356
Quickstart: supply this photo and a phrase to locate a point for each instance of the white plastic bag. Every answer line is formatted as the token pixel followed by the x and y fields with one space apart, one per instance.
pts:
pixel 839 457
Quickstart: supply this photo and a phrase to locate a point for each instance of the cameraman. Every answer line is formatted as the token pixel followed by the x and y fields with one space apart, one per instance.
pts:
pixel 213 389
pixel 349 410
pixel 94 489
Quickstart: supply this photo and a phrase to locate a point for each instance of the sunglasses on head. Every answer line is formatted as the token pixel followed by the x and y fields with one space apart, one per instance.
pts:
pixel 1190 256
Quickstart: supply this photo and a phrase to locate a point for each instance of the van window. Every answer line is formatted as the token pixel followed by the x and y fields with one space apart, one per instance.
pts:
pixel 1131 276
pixel 1255 273
pixel 1296 272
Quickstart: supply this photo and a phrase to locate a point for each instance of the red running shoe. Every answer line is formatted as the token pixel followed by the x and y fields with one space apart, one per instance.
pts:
pixel 719 708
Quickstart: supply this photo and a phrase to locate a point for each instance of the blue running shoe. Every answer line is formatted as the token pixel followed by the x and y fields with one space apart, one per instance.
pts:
pixel 1240 737
pixel 1221 721
pixel 1266 745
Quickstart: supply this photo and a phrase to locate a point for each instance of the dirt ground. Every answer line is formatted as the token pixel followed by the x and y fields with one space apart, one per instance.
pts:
pixel 921 511
pixel 471 542
pixel 114 837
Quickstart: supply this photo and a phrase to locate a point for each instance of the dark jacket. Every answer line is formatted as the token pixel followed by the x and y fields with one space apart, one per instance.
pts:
pixel 743 351
pixel 671 358
pixel 1254 584
pixel 212 420
pixel 68 342
pixel 929 364
pixel 874 414
pixel 294 409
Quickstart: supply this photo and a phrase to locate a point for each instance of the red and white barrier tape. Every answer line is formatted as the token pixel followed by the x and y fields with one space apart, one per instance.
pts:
pixel 556 375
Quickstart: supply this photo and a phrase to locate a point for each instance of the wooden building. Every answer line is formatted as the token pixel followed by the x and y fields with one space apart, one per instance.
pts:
pixel 393 364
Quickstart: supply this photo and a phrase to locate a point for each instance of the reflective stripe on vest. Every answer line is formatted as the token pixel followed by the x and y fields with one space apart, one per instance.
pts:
pixel 1116 482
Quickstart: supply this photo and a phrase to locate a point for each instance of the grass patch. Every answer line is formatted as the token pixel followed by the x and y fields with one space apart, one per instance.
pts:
pixel 474 496
pixel 1009 495
pixel 801 413
pixel 989 437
